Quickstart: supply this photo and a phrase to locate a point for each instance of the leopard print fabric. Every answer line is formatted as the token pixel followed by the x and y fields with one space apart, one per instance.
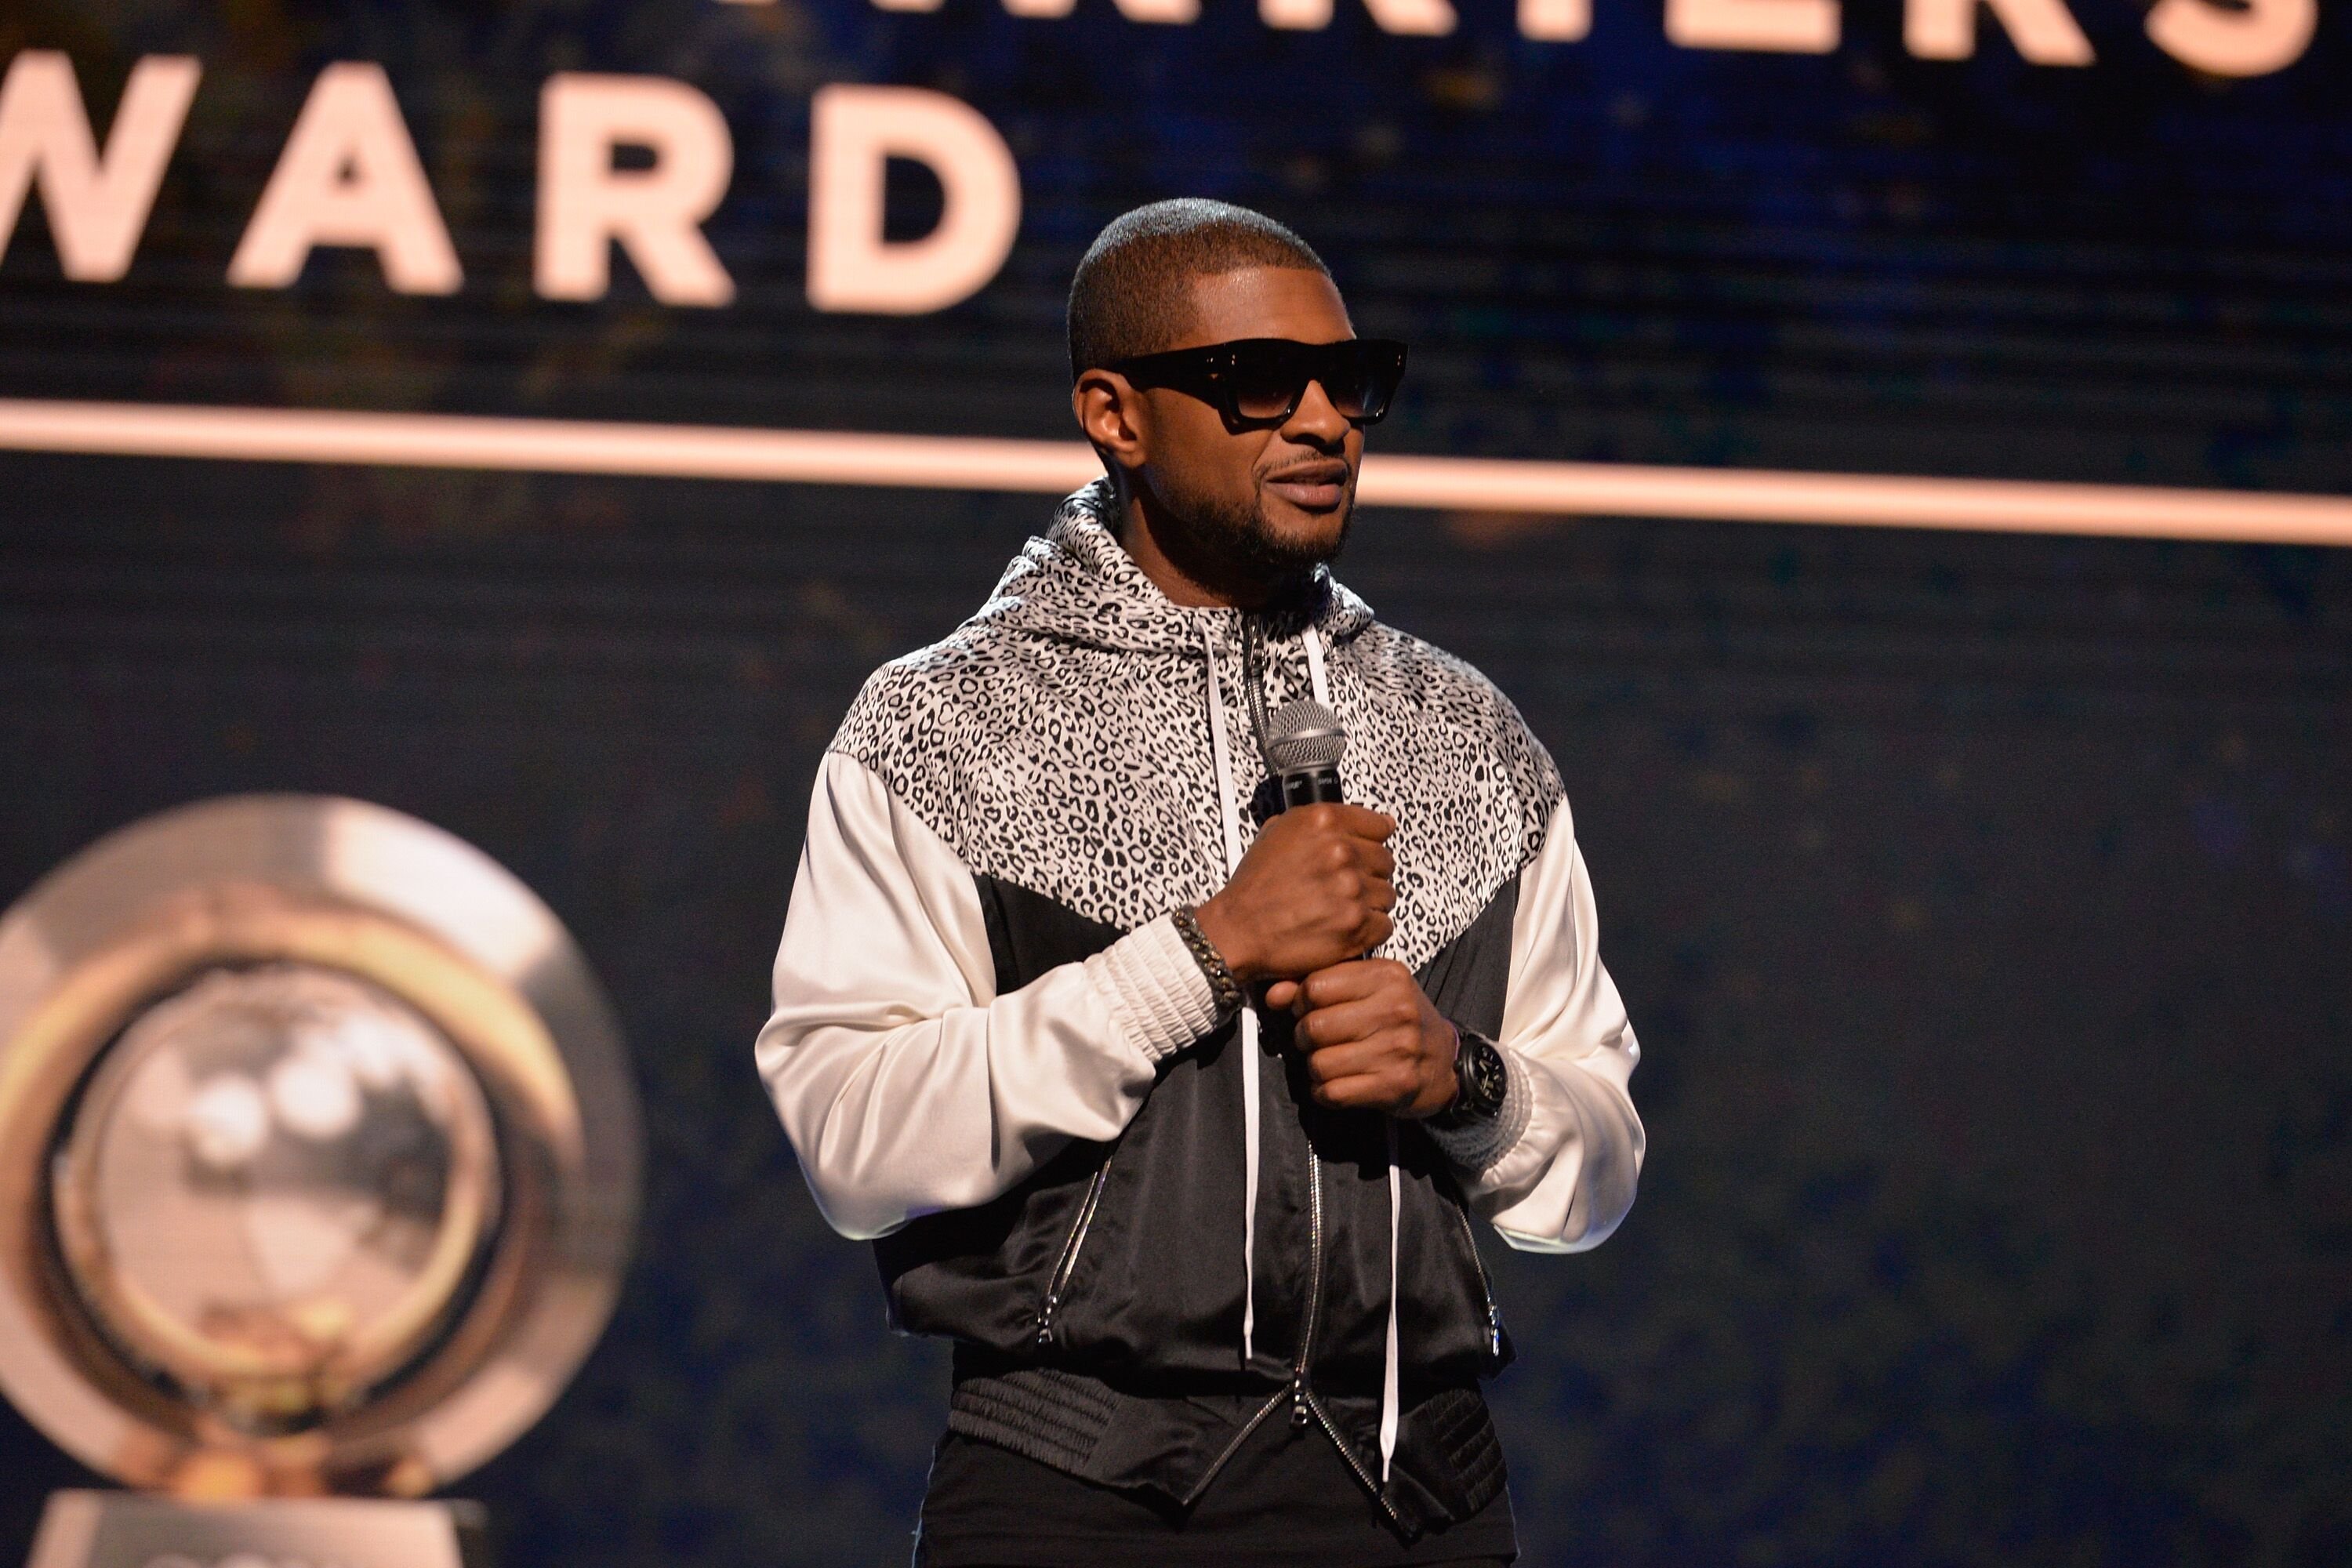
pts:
pixel 1060 739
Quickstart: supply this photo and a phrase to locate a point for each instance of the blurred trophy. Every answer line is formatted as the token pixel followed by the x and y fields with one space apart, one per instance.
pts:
pixel 317 1169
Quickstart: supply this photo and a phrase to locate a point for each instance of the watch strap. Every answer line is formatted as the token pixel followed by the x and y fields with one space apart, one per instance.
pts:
pixel 1475 1143
pixel 1481 1078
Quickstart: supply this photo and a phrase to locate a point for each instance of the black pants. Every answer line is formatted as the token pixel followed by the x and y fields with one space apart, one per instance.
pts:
pixel 1288 1487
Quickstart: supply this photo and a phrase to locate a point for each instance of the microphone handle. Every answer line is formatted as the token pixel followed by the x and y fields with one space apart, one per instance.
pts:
pixel 1311 786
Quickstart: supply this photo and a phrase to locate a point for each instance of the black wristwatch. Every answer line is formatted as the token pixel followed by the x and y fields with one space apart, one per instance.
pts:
pixel 1481 1082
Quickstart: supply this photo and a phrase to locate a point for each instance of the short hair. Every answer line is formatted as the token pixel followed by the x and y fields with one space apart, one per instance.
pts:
pixel 1128 297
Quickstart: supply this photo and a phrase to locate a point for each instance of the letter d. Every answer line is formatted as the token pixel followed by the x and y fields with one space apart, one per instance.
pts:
pixel 854 132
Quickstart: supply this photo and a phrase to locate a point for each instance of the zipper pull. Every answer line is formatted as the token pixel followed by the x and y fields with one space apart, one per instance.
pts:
pixel 1300 1415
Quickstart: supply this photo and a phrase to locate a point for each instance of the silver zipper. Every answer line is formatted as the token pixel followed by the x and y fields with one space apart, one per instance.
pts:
pixel 1064 1266
pixel 1363 1474
pixel 1301 1401
pixel 1303 1406
pixel 1486 1284
pixel 1231 1448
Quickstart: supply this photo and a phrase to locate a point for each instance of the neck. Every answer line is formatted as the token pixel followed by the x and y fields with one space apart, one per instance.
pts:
pixel 1180 568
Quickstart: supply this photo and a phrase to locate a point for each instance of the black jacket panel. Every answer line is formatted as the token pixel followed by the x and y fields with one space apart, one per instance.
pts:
pixel 1097 1306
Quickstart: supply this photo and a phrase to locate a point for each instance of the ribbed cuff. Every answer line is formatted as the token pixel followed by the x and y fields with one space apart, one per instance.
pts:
pixel 1476 1147
pixel 1157 992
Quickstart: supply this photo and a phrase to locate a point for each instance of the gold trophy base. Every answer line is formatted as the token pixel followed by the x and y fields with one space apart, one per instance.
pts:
pixel 125 1530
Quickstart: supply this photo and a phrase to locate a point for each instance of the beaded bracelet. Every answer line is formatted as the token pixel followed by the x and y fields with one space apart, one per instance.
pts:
pixel 1223 986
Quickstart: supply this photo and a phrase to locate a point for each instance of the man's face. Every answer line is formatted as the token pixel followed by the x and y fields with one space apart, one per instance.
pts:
pixel 1265 504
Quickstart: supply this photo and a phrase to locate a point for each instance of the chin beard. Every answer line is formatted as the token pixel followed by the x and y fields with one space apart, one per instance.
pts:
pixel 1237 542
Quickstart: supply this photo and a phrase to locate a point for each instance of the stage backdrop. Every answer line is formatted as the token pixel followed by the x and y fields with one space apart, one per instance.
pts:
pixel 1982 900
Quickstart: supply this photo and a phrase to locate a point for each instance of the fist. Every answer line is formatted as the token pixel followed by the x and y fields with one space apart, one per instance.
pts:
pixel 1373 1041
pixel 1313 892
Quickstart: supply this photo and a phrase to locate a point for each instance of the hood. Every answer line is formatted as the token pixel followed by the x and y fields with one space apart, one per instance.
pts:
pixel 1079 584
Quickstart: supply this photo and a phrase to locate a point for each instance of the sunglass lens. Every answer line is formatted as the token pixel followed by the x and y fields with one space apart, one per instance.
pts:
pixel 1363 376
pixel 1346 380
pixel 1265 378
pixel 1266 383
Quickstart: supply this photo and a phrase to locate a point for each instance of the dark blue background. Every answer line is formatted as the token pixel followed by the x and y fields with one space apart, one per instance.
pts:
pixel 1981 902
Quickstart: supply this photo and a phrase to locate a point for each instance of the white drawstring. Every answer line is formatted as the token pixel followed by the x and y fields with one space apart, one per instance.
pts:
pixel 1390 1358
pixel 1388 1353
pixel 1319 681
pixel 1230 820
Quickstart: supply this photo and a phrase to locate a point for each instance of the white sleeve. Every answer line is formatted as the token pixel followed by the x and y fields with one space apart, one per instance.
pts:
pixel 906 1084
pixel 1556 1174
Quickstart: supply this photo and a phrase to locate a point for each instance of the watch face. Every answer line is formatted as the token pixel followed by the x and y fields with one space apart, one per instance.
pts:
pixel 1482 1067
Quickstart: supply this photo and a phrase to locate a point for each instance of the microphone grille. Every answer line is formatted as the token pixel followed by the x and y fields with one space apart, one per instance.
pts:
pixel 1303 735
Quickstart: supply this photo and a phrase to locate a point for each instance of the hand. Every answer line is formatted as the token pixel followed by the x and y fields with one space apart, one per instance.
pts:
pixel 1373 1041
pixel 1313 892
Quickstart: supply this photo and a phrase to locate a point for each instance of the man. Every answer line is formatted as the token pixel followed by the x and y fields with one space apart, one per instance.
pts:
pixel 1169 1111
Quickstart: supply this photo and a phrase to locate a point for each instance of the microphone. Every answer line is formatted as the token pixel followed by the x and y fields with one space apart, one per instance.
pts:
pixel 1303 742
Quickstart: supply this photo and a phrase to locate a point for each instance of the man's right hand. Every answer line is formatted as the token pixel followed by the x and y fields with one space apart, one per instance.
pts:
pixel 1313 892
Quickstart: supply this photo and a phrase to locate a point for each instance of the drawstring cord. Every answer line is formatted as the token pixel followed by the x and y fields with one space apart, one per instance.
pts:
pixel 1388 1353
pixel 1321 685
pixel 1230 821
pixel 1319 681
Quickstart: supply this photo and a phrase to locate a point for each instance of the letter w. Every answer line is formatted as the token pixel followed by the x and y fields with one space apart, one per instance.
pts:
pixel 97 207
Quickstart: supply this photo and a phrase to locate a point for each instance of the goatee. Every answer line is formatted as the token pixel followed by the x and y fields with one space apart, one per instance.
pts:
pixel 1246 544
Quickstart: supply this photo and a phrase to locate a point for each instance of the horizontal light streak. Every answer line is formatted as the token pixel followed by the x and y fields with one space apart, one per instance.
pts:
pixel 971 462
pixel 544 446
pixel 1863 500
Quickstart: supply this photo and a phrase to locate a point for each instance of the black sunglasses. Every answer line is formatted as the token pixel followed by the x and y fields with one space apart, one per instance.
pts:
pixel 1256 383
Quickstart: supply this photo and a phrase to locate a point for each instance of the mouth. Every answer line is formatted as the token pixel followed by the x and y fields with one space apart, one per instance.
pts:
pixel 1311 487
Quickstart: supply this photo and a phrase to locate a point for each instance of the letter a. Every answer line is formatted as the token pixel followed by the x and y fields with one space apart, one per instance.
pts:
pixel 349 176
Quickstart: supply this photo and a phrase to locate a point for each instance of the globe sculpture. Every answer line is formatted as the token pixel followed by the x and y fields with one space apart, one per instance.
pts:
pixel 318 1155
pixel 274 1189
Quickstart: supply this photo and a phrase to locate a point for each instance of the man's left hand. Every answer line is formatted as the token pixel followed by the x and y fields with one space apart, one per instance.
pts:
pixel 1372 1039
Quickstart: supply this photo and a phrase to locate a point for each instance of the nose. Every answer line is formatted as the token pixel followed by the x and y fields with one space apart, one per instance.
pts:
pixel 1316 421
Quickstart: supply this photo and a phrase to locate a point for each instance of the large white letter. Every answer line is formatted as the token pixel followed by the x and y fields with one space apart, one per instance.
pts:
pixel 349 176
pixel 2254 39
pixel 854 132
pixel 1424 18
pixel 1783 27
pixel 1177 13
pixel 2045 31
pixel 1555 21
pixel 97 209
pixel 585 204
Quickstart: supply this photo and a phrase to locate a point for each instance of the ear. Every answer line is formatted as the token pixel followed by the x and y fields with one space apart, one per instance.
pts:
pixel 1113 415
